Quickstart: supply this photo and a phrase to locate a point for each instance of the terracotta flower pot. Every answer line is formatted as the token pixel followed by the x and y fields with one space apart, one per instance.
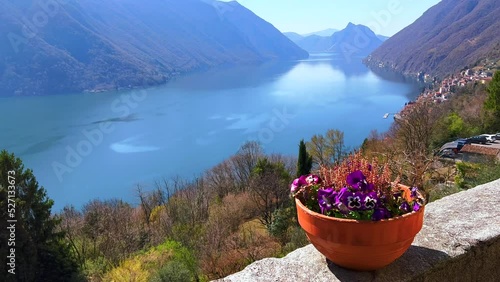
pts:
pixel 360 245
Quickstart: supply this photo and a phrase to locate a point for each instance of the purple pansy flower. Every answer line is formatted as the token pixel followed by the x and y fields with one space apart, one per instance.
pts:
pixel 341 200
pixel 370 200
pixel 381 213
pixel 370 187
pixel 297 183
pixel 414 192
pixel 342 196
pixel 416 206
pixel 354 179
pixel 302 180
pixel 295 186
pixel 313 179
pixel 354 201
pixel 405 207
pixel 326 199
pixel 357 181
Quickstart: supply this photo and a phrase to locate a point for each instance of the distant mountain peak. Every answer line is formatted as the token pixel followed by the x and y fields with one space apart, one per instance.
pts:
pixel 353 40
pixel 351 26
pixel 325 32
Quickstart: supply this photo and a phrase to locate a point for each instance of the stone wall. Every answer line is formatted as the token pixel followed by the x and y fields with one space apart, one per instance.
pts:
pixel 460 241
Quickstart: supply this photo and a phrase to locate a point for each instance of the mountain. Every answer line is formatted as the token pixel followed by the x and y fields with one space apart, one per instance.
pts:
pixel 293 36
pixel 448 37
pixel 327 32
pixel 354 39
pixel 73 46
pixel 314 43
pixel 382 37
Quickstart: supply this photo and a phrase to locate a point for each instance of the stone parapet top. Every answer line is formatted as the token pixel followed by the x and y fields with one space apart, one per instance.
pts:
pixel 460 241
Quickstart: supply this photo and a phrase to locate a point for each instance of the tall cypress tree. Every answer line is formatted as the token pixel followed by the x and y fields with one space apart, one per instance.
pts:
pixel 304 162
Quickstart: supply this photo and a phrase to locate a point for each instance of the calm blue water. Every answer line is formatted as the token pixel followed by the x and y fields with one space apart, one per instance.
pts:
pixel 102 145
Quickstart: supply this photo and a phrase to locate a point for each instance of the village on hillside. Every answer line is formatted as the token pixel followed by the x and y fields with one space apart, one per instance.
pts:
pixel 449 85
pixel 443 90
pixel 475 148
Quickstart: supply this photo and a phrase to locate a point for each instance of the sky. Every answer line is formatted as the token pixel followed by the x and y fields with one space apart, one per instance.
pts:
pixel 385 17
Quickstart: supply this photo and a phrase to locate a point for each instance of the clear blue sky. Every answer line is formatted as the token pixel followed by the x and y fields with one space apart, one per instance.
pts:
pixel 385 17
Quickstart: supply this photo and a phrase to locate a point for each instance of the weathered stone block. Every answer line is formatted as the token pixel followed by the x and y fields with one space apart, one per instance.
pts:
pixel 460 241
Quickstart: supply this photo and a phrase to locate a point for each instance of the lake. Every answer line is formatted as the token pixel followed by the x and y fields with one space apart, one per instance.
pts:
pixel 101 145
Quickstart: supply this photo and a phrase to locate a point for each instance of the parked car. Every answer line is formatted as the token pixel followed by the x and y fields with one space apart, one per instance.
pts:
pixel 448 153
pixel 490 137
pixel 460 143
pixel 476 140
pixel 497 136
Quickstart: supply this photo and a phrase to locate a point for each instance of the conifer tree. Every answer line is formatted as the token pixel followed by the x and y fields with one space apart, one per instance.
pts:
pixel 304 162
pixel 40 254
pixel 492 103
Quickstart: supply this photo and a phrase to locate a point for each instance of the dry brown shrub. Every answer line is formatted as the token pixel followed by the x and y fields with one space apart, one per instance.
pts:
pixel 376 172
pixel 249 243
pixel 224 219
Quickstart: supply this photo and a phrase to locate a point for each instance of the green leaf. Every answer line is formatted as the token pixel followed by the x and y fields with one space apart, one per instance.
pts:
pixel 354 215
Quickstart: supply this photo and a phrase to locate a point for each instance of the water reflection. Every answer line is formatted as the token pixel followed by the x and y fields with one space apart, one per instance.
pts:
pixel 231 77
pixel 386 74
pixel 350 67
